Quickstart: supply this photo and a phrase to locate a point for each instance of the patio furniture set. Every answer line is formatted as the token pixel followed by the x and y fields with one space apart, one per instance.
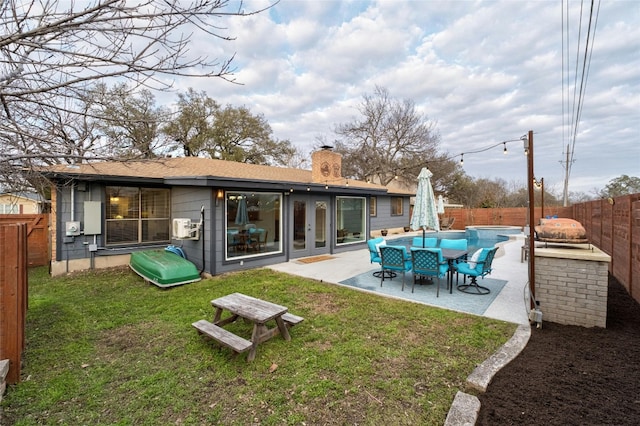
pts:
pixel 425 258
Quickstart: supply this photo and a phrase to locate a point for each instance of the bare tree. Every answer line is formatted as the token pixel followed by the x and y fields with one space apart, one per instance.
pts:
pixel 53 51
pixel 391 141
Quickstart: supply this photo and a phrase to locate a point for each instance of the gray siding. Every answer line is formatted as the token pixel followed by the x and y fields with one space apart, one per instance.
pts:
pixel 384 220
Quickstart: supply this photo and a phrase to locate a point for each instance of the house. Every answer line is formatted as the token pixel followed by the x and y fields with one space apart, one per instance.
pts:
pixel 223 215
pixel 20 203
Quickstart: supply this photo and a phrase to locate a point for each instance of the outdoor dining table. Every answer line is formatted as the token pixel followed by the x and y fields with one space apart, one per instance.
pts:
pixel 254 310
pixel 451 255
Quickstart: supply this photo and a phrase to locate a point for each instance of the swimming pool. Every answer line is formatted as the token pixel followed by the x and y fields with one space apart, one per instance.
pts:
pixel 473 244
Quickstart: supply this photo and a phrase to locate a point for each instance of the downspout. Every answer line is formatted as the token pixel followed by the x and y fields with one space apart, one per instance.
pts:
pixel 73 201
pixel 203 236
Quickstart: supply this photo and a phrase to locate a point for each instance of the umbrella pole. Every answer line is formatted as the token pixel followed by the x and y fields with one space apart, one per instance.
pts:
pixel 423 236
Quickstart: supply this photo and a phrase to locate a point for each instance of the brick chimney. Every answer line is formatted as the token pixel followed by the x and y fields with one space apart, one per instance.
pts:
pixel 326 165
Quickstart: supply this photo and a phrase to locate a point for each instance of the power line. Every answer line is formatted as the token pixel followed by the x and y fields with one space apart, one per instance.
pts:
pixel 571 125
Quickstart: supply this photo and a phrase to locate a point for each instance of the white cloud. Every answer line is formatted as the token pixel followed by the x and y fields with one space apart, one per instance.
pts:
pixel 484 71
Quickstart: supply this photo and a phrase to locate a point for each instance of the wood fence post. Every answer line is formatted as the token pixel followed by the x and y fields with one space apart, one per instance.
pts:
pixel 13 296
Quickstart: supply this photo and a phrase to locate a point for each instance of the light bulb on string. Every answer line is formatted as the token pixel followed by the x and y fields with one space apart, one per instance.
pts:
pixel 461 158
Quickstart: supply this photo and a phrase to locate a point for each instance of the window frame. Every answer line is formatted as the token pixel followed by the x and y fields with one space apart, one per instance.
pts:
pixel 398 203
pixel 257 217
pixel 352 236
pixel 142 220
pixel 373 206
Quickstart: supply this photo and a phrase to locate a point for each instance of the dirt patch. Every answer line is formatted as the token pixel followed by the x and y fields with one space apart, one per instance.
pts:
pixel 569 375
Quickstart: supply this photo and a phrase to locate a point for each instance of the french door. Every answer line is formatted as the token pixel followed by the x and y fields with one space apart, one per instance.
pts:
pixel 310 226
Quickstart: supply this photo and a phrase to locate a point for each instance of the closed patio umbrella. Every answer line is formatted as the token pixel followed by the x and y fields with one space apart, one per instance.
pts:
pixel 425 210
pixel 242 214
pixel 440 204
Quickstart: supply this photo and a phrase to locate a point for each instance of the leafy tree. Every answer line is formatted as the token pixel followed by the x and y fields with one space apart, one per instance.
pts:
pixel 54 51
pixel 129 121
pixel 239 135
pixel 192 128
pixel 391 140
pixel 202 127
pixel 622 185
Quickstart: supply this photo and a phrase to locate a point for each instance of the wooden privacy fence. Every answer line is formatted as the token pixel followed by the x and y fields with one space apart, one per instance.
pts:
pixel 13 296
pixel 512 216
pixel 37 235
pixel 612 225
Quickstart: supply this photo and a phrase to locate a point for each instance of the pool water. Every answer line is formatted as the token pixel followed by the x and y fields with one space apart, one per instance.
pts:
pixel 473 244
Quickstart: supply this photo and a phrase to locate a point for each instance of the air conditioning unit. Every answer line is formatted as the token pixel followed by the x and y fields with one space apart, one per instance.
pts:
pixel 182 228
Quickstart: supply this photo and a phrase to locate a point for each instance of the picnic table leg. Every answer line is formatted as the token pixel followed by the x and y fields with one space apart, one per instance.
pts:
pixel 284 331
pixel 220 322
pixel 217 316
pixel 256 337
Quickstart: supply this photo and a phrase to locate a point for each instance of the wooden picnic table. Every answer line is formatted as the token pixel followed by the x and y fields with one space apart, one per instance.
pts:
pixel 251 309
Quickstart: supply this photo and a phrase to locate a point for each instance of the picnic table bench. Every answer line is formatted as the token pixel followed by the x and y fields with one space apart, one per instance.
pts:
pixel 253 310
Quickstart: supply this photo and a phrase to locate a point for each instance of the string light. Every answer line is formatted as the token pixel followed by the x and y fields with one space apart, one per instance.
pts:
pixel 505 151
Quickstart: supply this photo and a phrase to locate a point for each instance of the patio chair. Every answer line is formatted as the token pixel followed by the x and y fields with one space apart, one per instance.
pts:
pixel 262 239
pixel 374 245
pixel 455 244
pixel 446 223
pixel 427 243
pixel 428 262
pixel 474 268
pixel 394 258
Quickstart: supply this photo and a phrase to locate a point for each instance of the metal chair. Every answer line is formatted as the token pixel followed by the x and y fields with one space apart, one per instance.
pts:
pixel 481 268
pixel 394 258
pixel 456 244
pixel 428 262
pixel 374 256
pixel 446 223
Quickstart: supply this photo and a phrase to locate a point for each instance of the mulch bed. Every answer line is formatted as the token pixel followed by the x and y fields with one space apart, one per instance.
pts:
pixel 570 375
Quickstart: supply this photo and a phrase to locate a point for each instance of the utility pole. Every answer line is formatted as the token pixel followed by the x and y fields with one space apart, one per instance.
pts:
pixel 528 146
pixel 565 192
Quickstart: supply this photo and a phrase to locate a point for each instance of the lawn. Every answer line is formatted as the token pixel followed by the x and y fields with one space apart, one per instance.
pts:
pixel 105 347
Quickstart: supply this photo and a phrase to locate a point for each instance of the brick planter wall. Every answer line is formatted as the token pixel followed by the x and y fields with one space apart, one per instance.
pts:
pixel 571 285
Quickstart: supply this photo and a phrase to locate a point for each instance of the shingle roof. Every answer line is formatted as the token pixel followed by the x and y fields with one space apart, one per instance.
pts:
pixel 198 167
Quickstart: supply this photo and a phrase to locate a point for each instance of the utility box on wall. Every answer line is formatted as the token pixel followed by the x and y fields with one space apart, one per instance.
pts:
pixel 72 228
pixel 92 218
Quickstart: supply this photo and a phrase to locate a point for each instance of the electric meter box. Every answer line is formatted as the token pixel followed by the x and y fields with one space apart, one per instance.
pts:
pixel 92 218
pixel 72 228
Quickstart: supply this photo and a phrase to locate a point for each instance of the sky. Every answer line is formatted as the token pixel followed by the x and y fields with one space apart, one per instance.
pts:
pixel 484 71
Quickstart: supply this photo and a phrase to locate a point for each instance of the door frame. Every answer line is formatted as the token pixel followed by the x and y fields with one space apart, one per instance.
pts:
pixel 310 201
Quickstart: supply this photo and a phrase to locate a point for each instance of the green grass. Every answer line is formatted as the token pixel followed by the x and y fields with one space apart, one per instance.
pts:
pixel 106 348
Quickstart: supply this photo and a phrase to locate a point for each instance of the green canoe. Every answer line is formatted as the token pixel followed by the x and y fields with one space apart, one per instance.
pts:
pixel 163 268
